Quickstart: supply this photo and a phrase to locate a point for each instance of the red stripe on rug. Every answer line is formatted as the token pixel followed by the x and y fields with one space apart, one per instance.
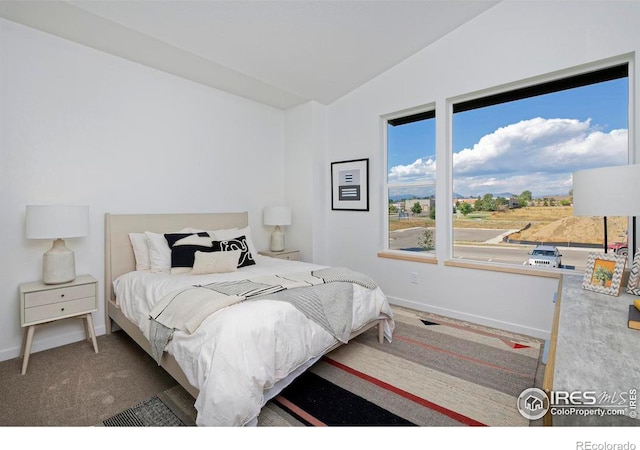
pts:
pixel 300 412
pixel 457 355
pixel 513 344
pixel 419 400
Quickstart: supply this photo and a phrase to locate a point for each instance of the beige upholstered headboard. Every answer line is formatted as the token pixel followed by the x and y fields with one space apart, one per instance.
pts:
pixel 119 257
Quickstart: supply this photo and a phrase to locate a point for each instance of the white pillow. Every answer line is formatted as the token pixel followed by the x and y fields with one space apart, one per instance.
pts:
pixel 215 262
pixel 194 239
pixel 223 235
pixel 140 250
pixel 159 250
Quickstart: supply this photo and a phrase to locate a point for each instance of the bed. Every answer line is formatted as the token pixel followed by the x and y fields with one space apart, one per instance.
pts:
pixel 243 353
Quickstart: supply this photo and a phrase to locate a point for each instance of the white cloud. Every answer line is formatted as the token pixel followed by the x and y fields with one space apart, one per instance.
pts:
pixel 419 170
pixel 537 155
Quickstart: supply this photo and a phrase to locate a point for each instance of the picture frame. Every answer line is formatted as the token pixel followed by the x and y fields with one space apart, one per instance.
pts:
pixel 350 185
pixel 633 284
pixel 604 273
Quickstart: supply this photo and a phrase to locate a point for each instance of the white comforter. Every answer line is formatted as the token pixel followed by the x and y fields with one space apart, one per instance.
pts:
pixel 242 351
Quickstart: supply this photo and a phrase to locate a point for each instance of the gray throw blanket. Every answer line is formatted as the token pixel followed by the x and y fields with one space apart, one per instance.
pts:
pixel 329 305
pixel 324 296
pixel 343 274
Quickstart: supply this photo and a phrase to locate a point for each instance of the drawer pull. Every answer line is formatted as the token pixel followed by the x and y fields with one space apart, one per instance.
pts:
pixel 61 295
pixel 61 309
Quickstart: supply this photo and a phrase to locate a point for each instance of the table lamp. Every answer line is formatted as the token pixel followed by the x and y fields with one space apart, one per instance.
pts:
pixel 278 216
pixel 608 191
pixel 57 222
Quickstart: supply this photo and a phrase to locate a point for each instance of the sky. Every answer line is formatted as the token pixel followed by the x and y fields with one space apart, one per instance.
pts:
pixel 533 144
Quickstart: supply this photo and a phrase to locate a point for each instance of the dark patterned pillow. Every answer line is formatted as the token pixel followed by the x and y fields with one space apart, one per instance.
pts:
pixel 185 255
pixel 238 243
pixel 185 245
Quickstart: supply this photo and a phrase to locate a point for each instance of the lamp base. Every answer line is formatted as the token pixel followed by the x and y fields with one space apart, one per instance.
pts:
pixel 58 264
pixel 277 240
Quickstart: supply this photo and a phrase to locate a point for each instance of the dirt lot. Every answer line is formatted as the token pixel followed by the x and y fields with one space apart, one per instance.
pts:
pixel 547 223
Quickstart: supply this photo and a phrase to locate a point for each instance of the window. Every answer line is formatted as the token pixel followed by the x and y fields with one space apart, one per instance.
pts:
pixel 411 177
pixel 513 158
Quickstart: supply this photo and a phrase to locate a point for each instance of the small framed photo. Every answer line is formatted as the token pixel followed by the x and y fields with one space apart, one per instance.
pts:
pixel 604 273
pixel 633 285
pixel 350 185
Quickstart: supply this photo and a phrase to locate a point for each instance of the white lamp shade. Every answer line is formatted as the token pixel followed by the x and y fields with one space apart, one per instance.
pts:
pixel 56 221
pixel 607 191
pixel 277 215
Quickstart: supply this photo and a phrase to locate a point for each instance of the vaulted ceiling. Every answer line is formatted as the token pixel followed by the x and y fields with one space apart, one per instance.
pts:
pixel 281 53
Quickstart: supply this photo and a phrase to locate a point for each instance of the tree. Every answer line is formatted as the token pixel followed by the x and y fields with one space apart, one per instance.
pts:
pixel 432 213
pixel 477 205
pixel 427 241
pixel 524 198
pixel 526 195
pixel 465 208
pixel 416 208
pixel 487 203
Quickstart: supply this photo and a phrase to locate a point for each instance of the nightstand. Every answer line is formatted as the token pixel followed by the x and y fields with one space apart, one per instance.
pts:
pixel 42 303
pixel 292 255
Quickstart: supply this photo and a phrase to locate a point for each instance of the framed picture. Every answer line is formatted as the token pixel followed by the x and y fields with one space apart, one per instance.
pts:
pixel 604 273
pixel 633 285
pixel 350 185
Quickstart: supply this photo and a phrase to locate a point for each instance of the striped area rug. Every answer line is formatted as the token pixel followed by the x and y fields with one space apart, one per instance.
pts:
pixel 436 372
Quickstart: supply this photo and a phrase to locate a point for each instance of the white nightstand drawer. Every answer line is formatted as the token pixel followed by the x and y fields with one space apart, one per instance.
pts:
pixel 59 309
pixel 33 299
pixel 293 256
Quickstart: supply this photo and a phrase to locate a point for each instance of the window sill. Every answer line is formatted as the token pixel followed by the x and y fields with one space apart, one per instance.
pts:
pixel 546 273
pixel 430 259
pixel 408 256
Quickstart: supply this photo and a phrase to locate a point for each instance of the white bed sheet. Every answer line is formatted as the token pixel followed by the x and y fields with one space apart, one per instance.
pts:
pixel 242 351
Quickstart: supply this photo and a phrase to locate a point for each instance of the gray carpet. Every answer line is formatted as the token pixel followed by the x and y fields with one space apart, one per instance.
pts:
pixel 73 386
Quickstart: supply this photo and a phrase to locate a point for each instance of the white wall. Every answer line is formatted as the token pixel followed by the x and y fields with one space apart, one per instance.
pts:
pixel 305 183
pixel 511 42
pixel 82 127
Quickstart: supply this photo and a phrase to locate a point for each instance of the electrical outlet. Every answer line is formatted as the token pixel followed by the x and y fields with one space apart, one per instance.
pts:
pixel 414 277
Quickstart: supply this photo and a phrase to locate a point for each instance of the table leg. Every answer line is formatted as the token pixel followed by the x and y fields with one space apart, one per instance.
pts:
pixel 87 333
pixel 27 348
pixel 24 341
pixel 92 332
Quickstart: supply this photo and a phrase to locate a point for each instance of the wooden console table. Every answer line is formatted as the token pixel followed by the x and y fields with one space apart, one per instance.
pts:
pixel 592 349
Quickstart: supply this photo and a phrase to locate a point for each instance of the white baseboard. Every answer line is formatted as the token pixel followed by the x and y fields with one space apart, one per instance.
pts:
pixel 480 320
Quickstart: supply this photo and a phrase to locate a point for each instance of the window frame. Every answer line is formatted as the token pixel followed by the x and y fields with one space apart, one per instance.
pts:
pixel 427 111
pixel 560 79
